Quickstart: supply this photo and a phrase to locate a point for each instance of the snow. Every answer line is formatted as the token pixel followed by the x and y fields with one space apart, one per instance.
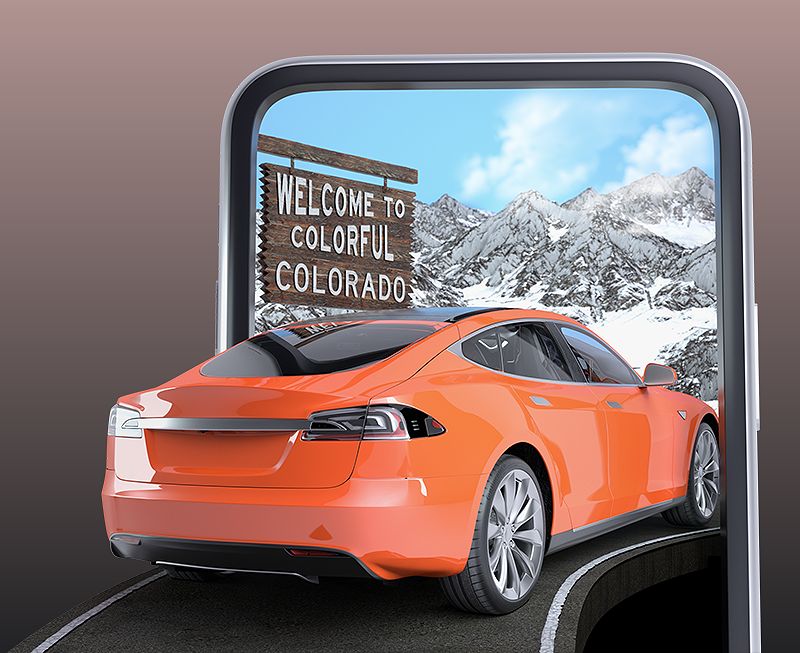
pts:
pixel 642 333
pixel 658 284
pixel 689 235
pixel 554 232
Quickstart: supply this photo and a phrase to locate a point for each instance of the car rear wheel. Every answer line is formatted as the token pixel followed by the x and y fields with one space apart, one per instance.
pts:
pixel 188 573
pixel 508 544
pixel 702 492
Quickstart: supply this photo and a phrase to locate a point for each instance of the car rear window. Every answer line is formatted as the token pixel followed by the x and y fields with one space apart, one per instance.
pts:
pixel 316 348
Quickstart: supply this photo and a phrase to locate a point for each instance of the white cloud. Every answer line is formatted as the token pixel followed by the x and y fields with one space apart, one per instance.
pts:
pixel 670 148
pixel 559 142
pixel 525 159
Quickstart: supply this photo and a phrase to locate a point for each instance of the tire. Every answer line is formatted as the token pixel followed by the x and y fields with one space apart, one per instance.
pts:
pixel 702 490
pixel 195 575
pixel 478 587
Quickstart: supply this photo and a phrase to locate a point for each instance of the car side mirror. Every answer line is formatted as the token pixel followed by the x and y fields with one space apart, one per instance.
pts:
pixel 655 374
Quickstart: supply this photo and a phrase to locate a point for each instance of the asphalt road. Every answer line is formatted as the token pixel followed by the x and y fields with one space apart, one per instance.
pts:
pixel 283 613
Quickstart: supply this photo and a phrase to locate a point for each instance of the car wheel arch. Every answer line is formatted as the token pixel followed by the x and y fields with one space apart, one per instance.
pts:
pixel 532 456
pixel 708 419
pixel 711 420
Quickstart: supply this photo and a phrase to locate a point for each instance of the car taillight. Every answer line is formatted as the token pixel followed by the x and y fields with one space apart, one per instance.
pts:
pixel 372 423
pixel 347 424
pixel 123 422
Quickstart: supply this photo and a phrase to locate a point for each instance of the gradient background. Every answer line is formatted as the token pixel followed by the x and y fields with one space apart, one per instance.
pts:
pixel 109 143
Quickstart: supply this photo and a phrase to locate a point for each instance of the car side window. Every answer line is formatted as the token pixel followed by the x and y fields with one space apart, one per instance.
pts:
pixel 597 362
pixel 524 349
pixel 528 349
pixel 554 360
pixel 483 349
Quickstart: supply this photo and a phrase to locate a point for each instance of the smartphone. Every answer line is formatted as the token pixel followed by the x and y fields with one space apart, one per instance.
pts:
pixel 542 266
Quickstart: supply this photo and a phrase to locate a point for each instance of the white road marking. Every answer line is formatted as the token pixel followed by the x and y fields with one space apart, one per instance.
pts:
pixel 548 641
pixel 77 621
pixel 548 632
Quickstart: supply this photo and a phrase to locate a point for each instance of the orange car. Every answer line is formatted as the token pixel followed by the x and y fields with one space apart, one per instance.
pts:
pixel 456 443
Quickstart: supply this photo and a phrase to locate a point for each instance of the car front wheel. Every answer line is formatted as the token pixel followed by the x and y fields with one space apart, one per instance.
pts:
pixel 508 544
pixel 702 492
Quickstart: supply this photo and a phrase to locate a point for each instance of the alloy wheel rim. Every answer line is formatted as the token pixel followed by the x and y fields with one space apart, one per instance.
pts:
pixel 515 534
pixel 706 473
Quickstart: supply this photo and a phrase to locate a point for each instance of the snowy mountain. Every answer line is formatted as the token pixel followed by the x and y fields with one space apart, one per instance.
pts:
pixel 680 209
pixel 637 265
pixel 444 221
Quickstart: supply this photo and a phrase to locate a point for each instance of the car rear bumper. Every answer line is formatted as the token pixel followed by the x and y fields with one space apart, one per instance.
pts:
pixel 386 527
pixel 237 556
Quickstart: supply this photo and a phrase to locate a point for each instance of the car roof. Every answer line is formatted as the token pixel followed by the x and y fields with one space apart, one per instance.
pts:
pixel 432 314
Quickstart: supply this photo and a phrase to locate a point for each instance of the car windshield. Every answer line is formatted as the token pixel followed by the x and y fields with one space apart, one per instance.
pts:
pixel 320 348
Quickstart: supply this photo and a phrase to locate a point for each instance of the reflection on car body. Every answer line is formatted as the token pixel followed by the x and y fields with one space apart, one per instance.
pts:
pixel 460 443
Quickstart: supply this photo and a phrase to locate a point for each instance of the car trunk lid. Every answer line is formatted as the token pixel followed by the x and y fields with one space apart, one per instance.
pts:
pixel 236 436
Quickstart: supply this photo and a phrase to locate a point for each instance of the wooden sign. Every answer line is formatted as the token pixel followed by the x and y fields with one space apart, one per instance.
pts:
pixel 332 241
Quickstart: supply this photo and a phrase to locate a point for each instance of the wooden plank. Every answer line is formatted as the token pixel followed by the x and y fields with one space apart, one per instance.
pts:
pixel 312 154
pixel 353 297
pixel 327 277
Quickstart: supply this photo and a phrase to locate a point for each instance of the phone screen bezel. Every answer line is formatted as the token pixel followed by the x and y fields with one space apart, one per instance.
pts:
pixel 728 115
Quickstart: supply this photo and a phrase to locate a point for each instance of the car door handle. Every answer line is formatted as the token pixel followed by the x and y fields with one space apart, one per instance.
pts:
pixel 540 401
pixel 614 404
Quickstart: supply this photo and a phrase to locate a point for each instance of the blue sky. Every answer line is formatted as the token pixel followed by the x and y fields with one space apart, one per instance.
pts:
pixel 485 146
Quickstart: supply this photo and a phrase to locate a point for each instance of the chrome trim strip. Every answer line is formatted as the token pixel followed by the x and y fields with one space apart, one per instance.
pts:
pixel 564 540
pixel 311 579
pixel 237 424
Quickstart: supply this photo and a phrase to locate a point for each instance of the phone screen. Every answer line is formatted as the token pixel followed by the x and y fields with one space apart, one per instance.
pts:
pixel 572 235
pixel 598 204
